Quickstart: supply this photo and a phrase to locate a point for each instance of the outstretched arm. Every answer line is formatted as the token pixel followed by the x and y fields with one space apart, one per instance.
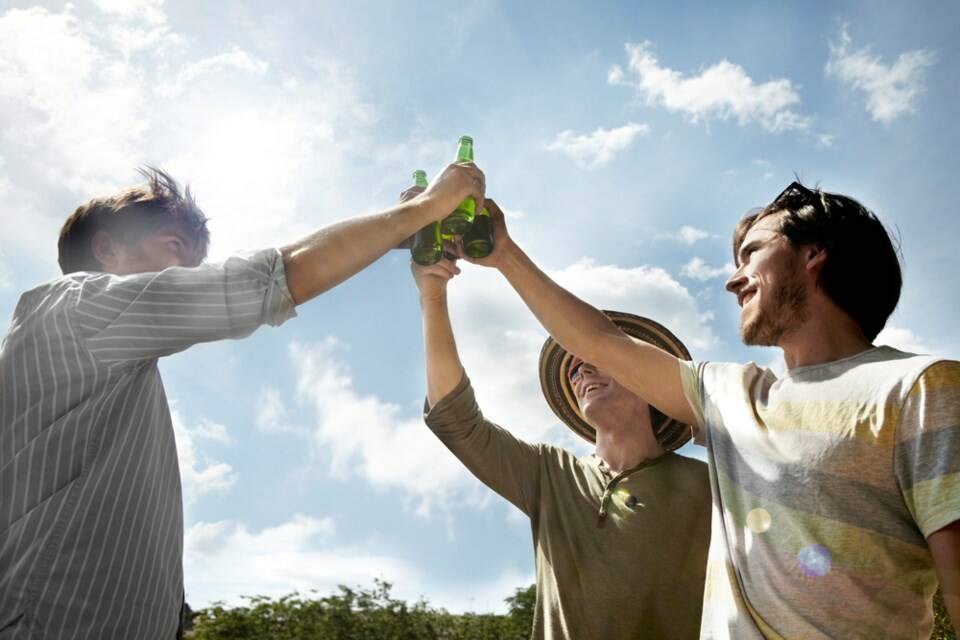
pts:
pixel 646 370
pixel 330 255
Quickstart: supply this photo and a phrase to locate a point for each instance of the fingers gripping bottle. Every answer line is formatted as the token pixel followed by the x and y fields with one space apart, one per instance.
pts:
pixel 478 240
pixel 457 223
pixel 427 245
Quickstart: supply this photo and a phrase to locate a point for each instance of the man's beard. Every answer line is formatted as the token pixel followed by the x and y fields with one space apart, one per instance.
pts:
pixel 787 309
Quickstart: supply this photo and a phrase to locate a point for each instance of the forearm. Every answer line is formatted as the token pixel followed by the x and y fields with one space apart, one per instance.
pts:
pixel 578 326
pixel 330 255
pixel 444 370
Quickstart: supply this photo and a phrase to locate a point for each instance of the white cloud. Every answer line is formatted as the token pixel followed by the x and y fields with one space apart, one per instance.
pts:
pixel 903 339
pixel 149 11
pixel 825 140
pixel 6 274
pixel 700 270
pixel 226 560
pixel 199 473
pixel 686 234
pixel 593 150
pixel 236 58
pixel 723 91
pixel 365 436
pixel 892 89
pixel 272 415
pixel 72 101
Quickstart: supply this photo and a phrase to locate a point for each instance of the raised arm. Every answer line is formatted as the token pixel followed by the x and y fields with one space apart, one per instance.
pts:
pixel 582 329
pixel 330 255
pixel 496 457
pixel 444 370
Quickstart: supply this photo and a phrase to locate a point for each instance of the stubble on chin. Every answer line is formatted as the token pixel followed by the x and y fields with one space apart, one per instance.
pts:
pixel 768 326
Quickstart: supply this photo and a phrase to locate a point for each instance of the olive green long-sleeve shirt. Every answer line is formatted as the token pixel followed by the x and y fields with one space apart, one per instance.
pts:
pixel 617 556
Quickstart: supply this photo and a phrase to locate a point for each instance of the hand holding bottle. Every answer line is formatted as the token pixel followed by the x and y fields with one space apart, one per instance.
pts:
pixel 502 243
pixel 431 280
pixel 454 184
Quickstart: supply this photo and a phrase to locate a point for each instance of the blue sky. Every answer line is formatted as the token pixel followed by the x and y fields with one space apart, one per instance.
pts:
pixel 623 140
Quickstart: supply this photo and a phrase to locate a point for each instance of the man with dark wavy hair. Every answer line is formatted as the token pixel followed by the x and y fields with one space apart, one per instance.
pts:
pixel 91 520
pixel 836 485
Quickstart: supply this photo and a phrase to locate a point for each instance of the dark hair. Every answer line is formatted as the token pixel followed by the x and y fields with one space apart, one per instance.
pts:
pixel 129 215
pixel 861 274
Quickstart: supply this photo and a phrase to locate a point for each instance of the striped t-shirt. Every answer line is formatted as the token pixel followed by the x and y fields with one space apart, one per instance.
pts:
pixel 91 520
pixel 826 482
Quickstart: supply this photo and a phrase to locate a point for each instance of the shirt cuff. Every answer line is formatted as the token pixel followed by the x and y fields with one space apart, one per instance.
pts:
pixel 454 408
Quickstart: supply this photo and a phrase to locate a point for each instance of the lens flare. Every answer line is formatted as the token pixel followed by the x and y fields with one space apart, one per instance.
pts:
pixel 814 561
pixel 758 520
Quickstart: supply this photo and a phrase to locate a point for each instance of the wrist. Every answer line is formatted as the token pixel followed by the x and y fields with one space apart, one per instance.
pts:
pixel 511 257
pixel 435 298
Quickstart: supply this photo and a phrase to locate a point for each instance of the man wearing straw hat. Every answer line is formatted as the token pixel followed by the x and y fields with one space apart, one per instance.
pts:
pixel 620 536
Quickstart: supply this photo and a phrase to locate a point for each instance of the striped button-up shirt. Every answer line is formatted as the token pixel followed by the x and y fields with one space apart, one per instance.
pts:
pixel 91 518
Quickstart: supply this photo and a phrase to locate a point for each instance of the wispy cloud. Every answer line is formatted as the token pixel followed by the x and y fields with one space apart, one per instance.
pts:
pixel 199 473
pixel 697 269
pixel 228 559
pixel 903 339
pixel 891 89
pixel 147 11
pixel 722 91
pixel 593 150
pixel 685 234
pixel 236 58
pixel 365 436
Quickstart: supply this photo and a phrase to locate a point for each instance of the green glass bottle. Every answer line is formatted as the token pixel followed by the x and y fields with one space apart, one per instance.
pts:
pixel 478 240
pixel 427 247
pixel 457 223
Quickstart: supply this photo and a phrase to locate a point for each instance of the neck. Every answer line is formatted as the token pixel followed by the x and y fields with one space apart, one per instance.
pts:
pixel 828 334
pixel 627 445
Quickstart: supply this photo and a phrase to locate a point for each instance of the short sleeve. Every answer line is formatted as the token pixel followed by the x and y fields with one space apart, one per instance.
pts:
pixel 927 449
pixel 691 381
pixel 148 315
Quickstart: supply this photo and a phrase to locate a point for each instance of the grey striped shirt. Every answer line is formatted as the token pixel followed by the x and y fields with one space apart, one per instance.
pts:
pixel 91 519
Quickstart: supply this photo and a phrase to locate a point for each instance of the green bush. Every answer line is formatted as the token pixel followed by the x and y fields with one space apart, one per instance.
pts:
pixel 372 614
pixel 359 614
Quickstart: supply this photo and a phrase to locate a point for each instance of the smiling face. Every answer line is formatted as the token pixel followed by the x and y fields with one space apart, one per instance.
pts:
pixel 769 285
pixel 602 400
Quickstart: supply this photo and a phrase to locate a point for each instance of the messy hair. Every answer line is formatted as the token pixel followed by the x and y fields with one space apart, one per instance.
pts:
pixel 861 274
pixel 130 215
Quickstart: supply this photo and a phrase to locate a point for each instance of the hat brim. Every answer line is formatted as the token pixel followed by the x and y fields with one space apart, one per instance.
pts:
pixel 555 382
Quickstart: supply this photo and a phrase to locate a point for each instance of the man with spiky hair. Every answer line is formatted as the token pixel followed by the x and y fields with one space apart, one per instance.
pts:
pixel 91 519
pixel 836 484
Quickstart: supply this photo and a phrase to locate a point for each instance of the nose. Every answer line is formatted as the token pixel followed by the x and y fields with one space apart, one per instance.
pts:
pixel 736 281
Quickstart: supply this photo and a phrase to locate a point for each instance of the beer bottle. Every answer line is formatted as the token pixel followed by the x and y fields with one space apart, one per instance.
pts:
pixel 457 223
pixel 427 246
pixel 478 240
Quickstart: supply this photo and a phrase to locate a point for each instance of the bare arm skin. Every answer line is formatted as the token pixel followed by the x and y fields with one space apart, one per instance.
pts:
pixel 945 549
pixel 649 372
pixel 444 369
pixel 330 255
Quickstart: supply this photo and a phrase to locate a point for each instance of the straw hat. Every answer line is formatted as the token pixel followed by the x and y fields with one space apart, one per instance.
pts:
pixel 555 381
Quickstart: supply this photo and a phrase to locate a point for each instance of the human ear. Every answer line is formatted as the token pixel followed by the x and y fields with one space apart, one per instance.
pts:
pixel 815 257
pixel 105 250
